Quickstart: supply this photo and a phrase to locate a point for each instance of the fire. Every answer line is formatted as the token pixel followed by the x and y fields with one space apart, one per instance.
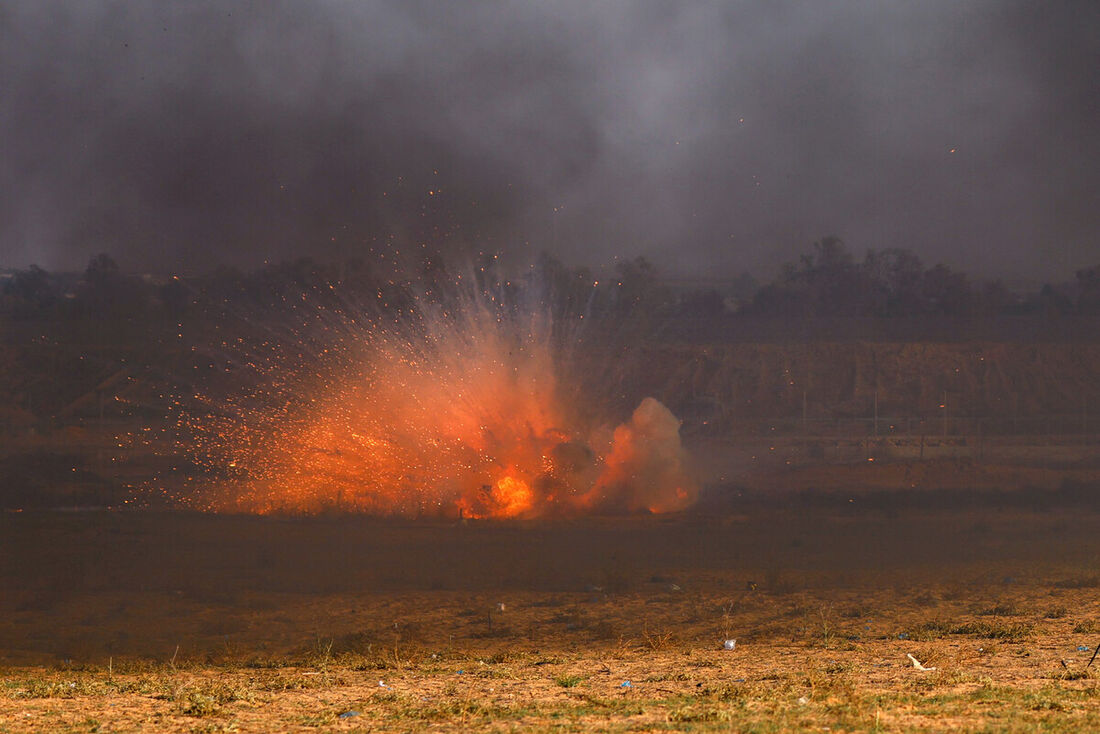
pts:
pixel 509 497
pixel 456 412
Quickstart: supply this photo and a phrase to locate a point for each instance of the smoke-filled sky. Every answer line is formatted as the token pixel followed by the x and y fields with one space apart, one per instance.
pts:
pixel 710 137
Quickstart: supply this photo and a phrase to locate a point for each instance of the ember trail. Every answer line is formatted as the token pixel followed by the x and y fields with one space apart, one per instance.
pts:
pixel 449 393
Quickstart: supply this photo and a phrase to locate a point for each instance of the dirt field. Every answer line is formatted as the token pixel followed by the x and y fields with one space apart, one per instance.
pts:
pixel 173 622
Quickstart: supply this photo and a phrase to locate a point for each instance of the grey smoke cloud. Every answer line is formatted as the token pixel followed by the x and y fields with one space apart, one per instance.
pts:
pixel 711 137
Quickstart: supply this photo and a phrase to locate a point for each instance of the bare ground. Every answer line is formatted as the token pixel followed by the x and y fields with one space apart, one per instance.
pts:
pixel 172 622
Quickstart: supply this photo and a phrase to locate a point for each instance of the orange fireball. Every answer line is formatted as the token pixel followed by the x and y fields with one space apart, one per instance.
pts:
pixel 461 415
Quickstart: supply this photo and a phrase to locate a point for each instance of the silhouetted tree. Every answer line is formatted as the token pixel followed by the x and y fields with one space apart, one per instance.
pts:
pixel 825 282
pixel 894 277
pixel 744 287
pixel 947 293
pixel 995 299
pixel 1050 302
pixel 30 293
pixel 1088 290
pixel 106 292
pixel 637 289
pixel 567 291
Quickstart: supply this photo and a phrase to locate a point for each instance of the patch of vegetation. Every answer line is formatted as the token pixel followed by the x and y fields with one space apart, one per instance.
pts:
pixel 462 709
pixel 568 680
pixel 1007 631
pixel 657 639
pixel 698 714
pixel 289 681
pixel 503 656
pixel 207 697
pixel 1000 609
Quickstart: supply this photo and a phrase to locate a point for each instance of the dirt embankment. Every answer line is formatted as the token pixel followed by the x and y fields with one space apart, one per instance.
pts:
pixel 749 410
pixel 1012 388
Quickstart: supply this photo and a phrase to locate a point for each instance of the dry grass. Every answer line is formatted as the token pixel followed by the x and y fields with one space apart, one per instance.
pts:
pixel 817 647
pixel 765 688
pixel 811 669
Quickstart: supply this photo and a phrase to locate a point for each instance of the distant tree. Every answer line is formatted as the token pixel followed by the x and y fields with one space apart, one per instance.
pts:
pixel 1050 301
pixel 825 282
pixel 106 292
pixel 29 293
pixel 101 267
pixel 948 293
pixel 744 287
pixel 567 291
pixel 888 283
pixel 894 278
pixel 778 299
pixel 1088 290
pixel 830 256
pixel 995 299
pixel 637 288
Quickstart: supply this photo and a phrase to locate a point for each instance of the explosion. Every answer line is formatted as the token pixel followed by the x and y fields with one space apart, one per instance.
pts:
pixel 451 405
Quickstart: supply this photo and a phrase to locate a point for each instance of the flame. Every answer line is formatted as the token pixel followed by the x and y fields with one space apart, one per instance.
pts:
pixel 509 497
pixel 462 415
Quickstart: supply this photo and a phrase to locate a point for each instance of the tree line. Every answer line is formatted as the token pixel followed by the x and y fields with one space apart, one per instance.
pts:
pixel 827 281
pixel 830 281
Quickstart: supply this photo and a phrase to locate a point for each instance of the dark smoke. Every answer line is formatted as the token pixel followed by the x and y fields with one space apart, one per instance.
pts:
pixel 711 137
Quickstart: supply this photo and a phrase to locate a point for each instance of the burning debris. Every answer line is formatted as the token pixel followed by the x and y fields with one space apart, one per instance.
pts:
pixel 452 407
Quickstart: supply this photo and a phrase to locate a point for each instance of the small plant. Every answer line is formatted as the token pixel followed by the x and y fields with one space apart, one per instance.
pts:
pixel 727 619
pixel 567 680
pixel 826 631
pixel 194 703
pixel 656 640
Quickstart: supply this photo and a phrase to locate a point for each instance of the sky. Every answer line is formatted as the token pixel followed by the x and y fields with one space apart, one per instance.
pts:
pixel 710 137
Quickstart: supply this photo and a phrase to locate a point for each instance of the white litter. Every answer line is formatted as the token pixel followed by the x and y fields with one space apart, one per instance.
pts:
pixel 917 663
pixel 729 644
